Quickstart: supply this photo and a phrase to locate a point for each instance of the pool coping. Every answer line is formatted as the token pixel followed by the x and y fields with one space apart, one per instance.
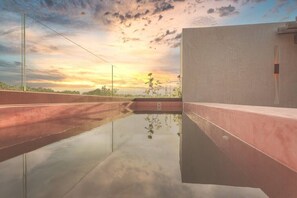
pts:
pixel 270 130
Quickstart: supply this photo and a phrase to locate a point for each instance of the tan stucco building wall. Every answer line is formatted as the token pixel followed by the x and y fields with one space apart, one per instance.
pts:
pixel 235 64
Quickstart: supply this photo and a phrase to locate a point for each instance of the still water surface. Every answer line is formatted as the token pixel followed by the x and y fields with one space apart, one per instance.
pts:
pixel 136 156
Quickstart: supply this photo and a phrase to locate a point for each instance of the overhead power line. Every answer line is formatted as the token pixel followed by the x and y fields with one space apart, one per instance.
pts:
pixel 62 35
pixel 70 40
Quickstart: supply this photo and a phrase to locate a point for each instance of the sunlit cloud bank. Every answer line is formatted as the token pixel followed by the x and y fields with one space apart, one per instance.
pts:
pixel 136 36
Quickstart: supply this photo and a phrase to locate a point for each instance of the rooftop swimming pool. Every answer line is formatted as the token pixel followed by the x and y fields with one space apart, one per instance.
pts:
pixel 140 155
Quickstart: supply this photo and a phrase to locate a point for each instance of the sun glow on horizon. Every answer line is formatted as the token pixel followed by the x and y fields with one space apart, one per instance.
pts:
pixel 136 37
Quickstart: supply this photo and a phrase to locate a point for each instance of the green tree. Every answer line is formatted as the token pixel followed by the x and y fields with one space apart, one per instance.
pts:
pixel 103 91
pixel 4 86
pixel 40 89
pixel 69 92
pixel 177 119
pixel 154 86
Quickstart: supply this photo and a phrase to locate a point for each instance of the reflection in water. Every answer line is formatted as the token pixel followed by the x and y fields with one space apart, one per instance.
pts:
pixel 53 170
pixel 177 119
pixel 154 123
pixel 11 178
pixel 223 159
pixel 143 167
pixel 82 166
pixel 25 175
pixel 208 165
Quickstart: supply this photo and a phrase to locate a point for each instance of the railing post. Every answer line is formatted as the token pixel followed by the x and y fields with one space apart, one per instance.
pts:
pixel 112 80
pixel 23 52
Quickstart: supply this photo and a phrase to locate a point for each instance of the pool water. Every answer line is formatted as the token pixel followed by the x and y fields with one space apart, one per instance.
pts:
pixel 135 156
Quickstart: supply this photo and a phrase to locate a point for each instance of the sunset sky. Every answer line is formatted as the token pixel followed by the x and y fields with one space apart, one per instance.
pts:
pixel 137 36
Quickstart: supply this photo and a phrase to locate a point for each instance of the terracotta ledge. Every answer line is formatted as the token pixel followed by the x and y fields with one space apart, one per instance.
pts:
pixel 270 130
pixel 18 97
pixel 157 99
pixel 15 115
pixel 157 105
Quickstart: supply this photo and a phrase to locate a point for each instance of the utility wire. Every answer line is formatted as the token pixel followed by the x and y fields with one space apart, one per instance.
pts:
pixel 73 42
pixel 65 37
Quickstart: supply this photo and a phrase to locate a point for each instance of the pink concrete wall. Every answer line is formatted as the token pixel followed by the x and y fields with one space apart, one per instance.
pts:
pixel 15 97
pixel 19 108
pixel 27 114
pixel 157 106
pixel 272 131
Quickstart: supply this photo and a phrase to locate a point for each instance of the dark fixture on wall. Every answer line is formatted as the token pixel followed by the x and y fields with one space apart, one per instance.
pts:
pixel 289 28
pixel 276 74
